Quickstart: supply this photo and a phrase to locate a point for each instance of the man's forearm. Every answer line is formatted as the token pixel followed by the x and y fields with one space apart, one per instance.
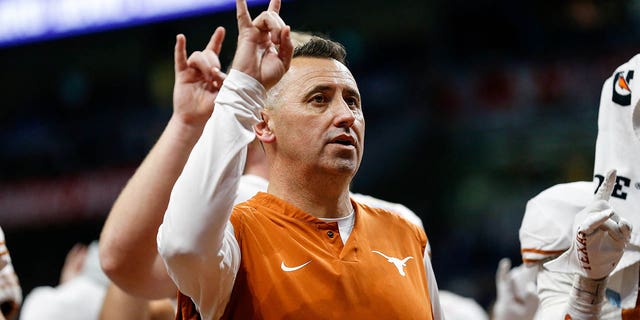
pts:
pixel 586 298
pixel 129 234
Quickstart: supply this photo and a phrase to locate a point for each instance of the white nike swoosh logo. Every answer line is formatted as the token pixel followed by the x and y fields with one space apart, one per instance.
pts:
pixel 289 269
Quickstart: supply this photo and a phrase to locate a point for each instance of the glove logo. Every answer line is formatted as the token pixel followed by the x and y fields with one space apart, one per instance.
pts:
pixel 583 255
pixel 621 90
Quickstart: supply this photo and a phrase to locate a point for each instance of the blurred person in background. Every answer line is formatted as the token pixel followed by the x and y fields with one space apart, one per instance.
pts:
pixel 457 307
pixel 10 290
pixel 548 214
pixel 516 295
pixel 595 275
pixel 79 294
pixel 120 305
pixel 84 291
pixel 546 232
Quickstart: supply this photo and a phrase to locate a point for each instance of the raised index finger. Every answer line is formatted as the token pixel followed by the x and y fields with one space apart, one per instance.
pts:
pixel 242 13
pixel 605 189
pixel 180 53
pixel 274 5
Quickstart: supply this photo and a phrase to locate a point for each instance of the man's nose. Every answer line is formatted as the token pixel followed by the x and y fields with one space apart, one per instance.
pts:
pixel 344 114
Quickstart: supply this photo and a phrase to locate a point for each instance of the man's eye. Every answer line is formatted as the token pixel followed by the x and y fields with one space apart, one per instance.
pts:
pixel 318 99
pixel 353 102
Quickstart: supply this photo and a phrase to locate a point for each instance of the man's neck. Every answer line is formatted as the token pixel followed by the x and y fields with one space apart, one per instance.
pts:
pixel 322 196
pixel 260 170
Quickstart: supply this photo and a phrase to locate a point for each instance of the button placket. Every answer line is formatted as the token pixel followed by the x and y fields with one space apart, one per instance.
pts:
pixel 331 235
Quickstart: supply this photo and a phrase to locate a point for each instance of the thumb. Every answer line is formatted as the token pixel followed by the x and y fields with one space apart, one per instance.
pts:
pixel 605 189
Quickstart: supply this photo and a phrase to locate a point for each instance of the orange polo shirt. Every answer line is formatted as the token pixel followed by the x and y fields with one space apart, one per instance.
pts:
pixel 295 266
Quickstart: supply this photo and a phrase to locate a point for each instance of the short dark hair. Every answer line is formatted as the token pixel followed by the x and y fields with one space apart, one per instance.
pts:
pixel 318 47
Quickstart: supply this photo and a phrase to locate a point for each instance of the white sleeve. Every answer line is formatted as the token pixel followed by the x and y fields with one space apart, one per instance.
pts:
pixel 433 286
pixel 553 291
pixel 196 239
pixel 396 208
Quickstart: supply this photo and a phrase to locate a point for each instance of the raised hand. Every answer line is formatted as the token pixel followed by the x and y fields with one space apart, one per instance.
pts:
pixel 264 45
pixel 516 295
pixel 73 263
pixel 197 79
pixel 600 237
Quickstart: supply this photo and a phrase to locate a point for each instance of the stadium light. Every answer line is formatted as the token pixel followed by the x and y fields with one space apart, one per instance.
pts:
pixel 25 21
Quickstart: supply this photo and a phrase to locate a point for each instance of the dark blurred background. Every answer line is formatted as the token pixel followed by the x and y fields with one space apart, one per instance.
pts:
pixel 472 108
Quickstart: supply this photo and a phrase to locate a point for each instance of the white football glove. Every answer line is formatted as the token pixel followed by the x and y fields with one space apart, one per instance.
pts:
pixel 517 297
pixel 600 238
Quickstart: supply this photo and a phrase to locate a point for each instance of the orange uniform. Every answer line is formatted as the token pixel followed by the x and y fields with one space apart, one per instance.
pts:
pixel 295 266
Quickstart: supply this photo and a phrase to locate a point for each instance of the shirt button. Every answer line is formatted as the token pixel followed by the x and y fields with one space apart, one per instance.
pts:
pixel 330 234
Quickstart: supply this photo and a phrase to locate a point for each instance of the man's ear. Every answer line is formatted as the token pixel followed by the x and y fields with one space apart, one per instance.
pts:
pixel 263 131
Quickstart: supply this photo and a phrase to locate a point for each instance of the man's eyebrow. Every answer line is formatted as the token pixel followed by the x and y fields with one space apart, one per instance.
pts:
pixel 325 88
pixel 353 92
pixel 318 88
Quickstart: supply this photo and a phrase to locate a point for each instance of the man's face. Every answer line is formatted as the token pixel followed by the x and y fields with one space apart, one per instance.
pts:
pixel 317 120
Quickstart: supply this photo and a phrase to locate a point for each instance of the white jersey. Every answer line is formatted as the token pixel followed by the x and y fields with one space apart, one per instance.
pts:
pixel 457 307
pixel 249 186
pixel 618 142
pixel 545 232
pixel 396 208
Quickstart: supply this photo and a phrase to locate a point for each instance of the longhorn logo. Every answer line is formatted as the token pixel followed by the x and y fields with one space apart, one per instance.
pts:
pixel 400 264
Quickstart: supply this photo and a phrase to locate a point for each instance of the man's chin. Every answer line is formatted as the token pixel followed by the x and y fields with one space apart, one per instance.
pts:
pixel 344 166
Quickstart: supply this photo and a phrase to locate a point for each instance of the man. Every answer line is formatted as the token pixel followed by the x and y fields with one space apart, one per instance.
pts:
pixel 138 211
pixel 596 275
pixel 312 129
pixel 78 295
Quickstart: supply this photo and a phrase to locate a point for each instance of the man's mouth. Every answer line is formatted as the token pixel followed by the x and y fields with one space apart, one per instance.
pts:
pixel 344 139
